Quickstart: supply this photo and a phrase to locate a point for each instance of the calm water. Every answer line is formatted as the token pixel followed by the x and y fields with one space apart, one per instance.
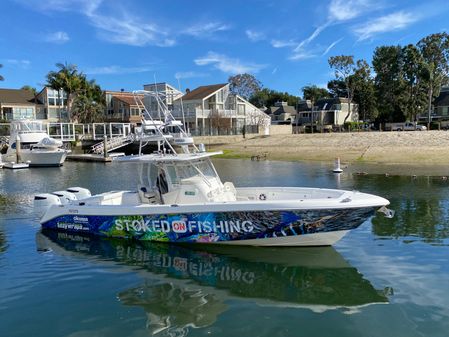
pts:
pixel 390 277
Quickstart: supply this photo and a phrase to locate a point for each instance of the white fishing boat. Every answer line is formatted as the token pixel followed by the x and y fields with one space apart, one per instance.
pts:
pixel 35 146
pixel 181 198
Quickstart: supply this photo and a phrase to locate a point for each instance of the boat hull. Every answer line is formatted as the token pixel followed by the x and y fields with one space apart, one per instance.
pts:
pixel 39 158
pixel 256 228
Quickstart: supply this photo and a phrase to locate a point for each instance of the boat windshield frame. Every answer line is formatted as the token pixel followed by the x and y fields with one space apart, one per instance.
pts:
pixel 27 126
pixel 177 171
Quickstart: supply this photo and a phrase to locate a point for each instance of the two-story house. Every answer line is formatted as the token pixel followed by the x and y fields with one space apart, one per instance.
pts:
pixel 326 112
pixel 48 104
pixel 121 106
pixel 282 113
pixel 18 104
pixel 167 92
pixel 213 109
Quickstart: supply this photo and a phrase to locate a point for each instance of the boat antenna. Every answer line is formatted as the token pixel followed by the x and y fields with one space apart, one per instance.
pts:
pixel 182 106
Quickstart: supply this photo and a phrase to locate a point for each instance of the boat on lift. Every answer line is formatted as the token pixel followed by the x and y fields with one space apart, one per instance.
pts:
pixel 37 148
pixel 181 198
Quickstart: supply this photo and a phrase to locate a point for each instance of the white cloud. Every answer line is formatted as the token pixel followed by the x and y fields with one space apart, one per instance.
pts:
pixel 130 31
pixel 189 74
pixel 254 36
pixel 83 6
pixel 118 27
pixel 114 70
pixel 24 64
pixel 332 45
pixel 387 23
pixel 57 37
pixel 227 65
pixel 343 10
pixel 312 37
pixel 206 29
pixel 282 43
pixel 302 55
pixel 338 11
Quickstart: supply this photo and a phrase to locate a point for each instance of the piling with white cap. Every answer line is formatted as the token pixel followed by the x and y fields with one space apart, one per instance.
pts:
pixel 337 168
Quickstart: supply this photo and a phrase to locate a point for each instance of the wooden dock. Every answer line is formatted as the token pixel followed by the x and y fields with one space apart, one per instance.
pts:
pixel 93 157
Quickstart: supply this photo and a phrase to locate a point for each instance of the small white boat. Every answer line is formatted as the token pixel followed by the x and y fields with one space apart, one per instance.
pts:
pixel 181 198
pixel 37 148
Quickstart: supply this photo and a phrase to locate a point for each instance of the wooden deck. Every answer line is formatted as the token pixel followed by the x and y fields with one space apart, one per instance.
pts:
pixel 93 157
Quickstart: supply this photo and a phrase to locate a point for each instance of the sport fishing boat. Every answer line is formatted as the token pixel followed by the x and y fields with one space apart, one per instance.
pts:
pixel 35 146
pixel 181 198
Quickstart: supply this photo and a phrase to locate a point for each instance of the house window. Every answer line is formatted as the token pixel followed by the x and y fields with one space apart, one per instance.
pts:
pixel 56 97
pixel 135 112
pixel 241 109
pixel 19 113
pixel 220 96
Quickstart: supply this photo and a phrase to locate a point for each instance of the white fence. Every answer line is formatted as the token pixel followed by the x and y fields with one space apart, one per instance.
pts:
pixel 68 132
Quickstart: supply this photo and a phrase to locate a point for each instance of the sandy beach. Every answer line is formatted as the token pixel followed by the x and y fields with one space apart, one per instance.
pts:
pixel 421 148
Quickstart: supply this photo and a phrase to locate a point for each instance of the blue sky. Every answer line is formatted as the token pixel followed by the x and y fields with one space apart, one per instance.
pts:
pixel 125 44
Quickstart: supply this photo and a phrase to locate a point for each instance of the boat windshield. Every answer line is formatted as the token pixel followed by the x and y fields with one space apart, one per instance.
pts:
pixel 188 170
pixel 29 126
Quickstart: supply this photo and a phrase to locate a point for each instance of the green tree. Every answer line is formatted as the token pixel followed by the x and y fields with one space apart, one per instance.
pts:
pixel 337 88
pixel 267 97
pixel 67 78
pixel 344 67
pixel 314 93
pixel 29 88
pixel 414 74
pixel 364 91
pixel 245 85
pixel 89 104
pixel 389 83
pixel 435 52
pixel 1 77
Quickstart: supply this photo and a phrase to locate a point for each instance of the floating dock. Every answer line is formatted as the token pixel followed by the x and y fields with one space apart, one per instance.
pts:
pixel 15 166
pixel 94 157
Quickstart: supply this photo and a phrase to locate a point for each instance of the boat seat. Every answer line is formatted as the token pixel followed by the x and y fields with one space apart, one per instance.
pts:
pixel 148 196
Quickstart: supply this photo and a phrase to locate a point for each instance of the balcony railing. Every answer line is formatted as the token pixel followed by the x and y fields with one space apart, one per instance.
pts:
pixel 208 113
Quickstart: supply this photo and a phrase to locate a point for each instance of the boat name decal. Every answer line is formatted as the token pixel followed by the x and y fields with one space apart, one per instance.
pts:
pixel 80 219
pixel 179 226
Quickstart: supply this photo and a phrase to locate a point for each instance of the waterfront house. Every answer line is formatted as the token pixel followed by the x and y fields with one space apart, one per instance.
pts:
pixel 121 106
pixel 19 104
pixel 54 105
pixel 213 109
pixel 440 107
pixel 168 93
pixel 282 113
pixel 326 112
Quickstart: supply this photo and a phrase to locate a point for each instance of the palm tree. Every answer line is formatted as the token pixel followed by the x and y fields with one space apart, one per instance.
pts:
pixel 1 77
pixel 68 79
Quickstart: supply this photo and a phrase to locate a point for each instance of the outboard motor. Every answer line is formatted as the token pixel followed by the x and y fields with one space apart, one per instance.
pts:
pixel 80 192
pixel 43 201
pixel 64 196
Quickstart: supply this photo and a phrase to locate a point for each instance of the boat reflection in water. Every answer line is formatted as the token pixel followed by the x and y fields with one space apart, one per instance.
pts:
pixel 188 287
